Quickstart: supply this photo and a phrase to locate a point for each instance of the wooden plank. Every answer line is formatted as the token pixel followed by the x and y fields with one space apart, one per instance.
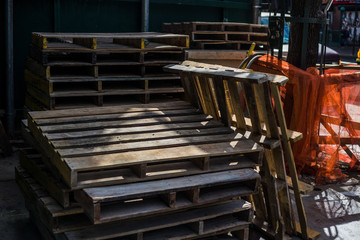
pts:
pixel 252 108
pixel 227 75
pixel 110 110
pixel 208 97
pixel 123 123
pixel 144 145
pixel 190 90
pixel 116 116
pixel 275 157
pixel 236 105
pixel 130 137
pixel 221 101
pixel 275 79
pixel 290 160
pixel 134 130
pixel 294 136
pixel 160 155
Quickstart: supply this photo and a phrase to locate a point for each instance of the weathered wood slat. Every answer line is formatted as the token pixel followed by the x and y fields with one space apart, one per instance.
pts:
pixel 123 123
pixel 183 141
pixel 143 129
pixel 275 79
pixel 228 75
pixel 114 116
pixel 129 137
pixel 159 155
pixel 110 110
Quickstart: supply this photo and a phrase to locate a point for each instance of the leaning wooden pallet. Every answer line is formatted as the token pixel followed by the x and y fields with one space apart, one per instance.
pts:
pixel 215 91
pixel 70 69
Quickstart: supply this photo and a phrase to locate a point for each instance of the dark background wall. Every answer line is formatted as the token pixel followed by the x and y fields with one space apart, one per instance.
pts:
pixel 101 16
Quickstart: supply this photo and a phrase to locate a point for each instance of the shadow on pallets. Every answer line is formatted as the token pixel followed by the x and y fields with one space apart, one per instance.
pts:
pixel 156 171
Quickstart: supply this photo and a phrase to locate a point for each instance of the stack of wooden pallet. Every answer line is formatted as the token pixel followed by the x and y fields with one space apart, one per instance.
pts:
pixel 145 171
pixel 220 35
pixel 73 69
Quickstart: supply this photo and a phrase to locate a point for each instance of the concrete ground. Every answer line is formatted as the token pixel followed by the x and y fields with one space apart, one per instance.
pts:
pixel 333 210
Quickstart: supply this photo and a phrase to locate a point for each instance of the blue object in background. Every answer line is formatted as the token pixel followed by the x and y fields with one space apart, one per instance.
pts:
pixel 265 21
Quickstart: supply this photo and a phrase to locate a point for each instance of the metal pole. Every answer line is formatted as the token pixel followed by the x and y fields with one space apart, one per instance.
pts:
pixel 9 60
pixel 256 6
pixel 145 16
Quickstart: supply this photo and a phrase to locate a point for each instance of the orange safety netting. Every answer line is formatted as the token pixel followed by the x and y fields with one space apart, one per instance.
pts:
pixel 326 109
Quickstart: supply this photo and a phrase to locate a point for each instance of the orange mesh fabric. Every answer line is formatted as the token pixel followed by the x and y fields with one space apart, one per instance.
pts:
pixel 326 109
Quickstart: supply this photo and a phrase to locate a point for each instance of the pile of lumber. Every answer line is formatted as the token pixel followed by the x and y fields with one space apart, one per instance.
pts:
pixel 145 171
pixel 70 70
pixel 220 35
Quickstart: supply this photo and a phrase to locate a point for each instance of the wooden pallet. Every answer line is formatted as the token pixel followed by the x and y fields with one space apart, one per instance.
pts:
pixel 109 41
pixel 87 72
pixel 215 90
pixel 79 57
pixel 152 138
pixel 219 35
pixel 186 27
pixel 107 204
pixel 58 222
pixel 51 93
pixel 240 37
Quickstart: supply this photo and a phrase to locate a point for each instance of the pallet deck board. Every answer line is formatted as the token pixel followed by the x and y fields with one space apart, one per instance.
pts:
pixel 126 138
pixel 143 129
pixel 160 155
pixel 110 110
pixel 99 124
